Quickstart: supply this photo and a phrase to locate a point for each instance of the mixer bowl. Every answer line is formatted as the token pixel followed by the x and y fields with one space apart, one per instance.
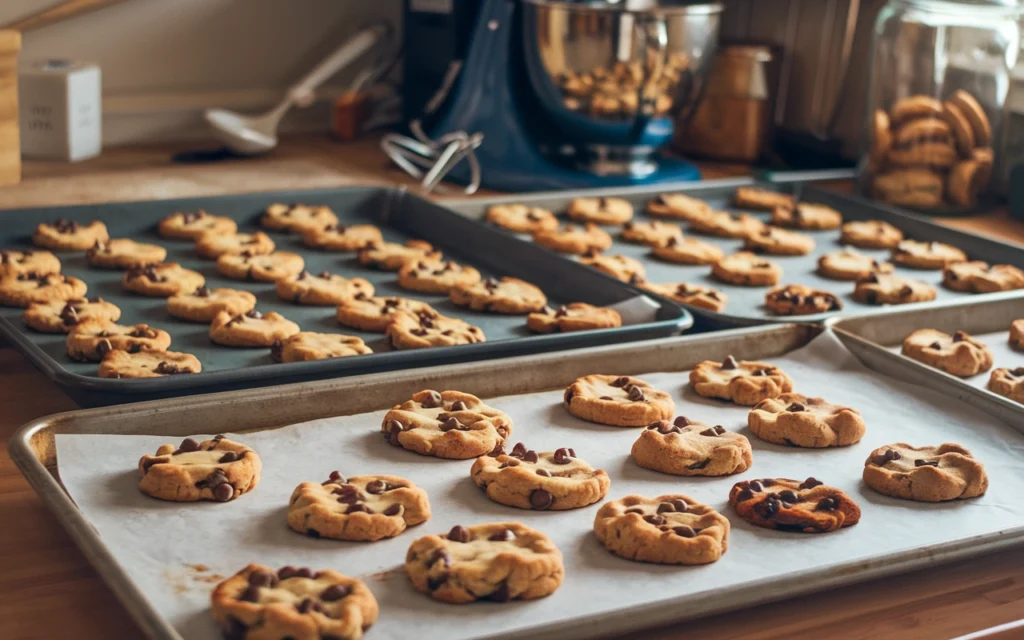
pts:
pixel 615 76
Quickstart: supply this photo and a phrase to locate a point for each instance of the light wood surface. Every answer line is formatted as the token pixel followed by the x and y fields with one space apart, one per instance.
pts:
pixel 47 590
pixel 10 145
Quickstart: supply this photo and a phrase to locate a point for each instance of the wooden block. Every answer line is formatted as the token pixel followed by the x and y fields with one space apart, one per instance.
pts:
pixel 10 141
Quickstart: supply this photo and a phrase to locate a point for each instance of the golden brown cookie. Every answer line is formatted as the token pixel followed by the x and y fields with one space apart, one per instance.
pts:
pixel 61 316
pixel 600 210
pixel 68 235
pixel 307 345
pixel 620 267
pixel 681 250
pixel 16 263
pixel 521 218
pixel 1008 383
pixel 408 331
pixel 678 206
pixel 119 364
pixel 727 225
pixel 886 288
pixel 931 155
pixel 124 253
pixel 218 470
pixel 967 179
pixel 447 424
pixel 925 474
pixel 798 421
pixel 923 131
pixel 436 277
pixel 28 288
pixel 573 239
pixel 871 234
pixel 577 316
pixel 781 242
pixel 652 233
pixel 920 188
pixel 620 401
pixel 960 128
pixel 389 256
pixel 203 304
pixel 881 138
pixel 975 114
pixel 261 268
pixel 338 237
pixel 914 107
pixel 979 277
pixel 504 295
pixel 214 245
pixel 761 199
pixel 684 447
pixel 790 505
pixel 299 218
pixel 690 294
pixel 190 225
pixel 374 314
pixel 324 289
pixel 926 255
pixel 743 382
pixel 958 354
pixel 546 480
pixel 162 280
pixel 747 269
pixel 850 265
pixel 800 300
pixel 250 329
pixel 1017 334
pixel 90 340
pixel 807 216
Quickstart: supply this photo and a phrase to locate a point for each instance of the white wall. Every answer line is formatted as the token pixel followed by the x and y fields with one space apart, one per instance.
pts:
pixel 163 61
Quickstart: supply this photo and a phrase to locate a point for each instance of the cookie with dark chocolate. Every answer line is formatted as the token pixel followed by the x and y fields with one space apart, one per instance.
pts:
pixel 790 505
pixel 217 469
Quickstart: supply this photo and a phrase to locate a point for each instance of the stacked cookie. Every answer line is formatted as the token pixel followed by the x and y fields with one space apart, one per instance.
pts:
pixel 926 152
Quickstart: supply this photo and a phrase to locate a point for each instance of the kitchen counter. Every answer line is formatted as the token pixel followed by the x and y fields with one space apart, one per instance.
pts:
pixel 48 590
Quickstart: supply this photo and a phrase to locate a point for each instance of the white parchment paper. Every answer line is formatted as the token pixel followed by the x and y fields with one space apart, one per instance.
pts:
pixel 1003 356
pixel 159 543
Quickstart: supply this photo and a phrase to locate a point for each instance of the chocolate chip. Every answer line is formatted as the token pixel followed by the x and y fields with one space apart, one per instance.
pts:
pixel 336 477
pixel 187 445
pixel 562 311
pixel 376 487
pixel 606 398
pixel 459 406
pixel 886 456
pixel 562 456
pixel 935 345
pixel 223 492
pixel 655 520
pixel 394 429
pixel 501 594
pixel 435 582
pixel 303 572
pixel 541 499
pixel 149 463
pixel 730 363
pixel 358 508
pixel 334 592
pixel 755 485
pixel 713 431
pixel 544 473
pixel 312 533
pixel 906 291
pixel 926 463
pixel 432 401
pixel 788 496
pixel 418 332
pixel 230 456
pixel 684 531
pixel 680 505
pixel 104 347
pixel 261 579
pixel 768 507
pixel 510 463
pixel 451 424
pixel 393 510
pixel 253 314
pixel 459 534
pixel 636 394
pixel 666 507
pixel 498 450
pixel 681 421
pixel 251 594
pixel 810 483
pixel 744 495
pixel 347 494
pixel 308 605
pixel 796 407
pixel 285 572
pixel 621 381
pixel 827 504
pixel 530 456
pixel 518 451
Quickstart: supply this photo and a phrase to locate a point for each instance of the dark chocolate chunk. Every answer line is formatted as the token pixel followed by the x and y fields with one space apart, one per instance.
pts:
pixel 810 483
pixel 544 473
pixel 684 531
pixel 541 499
pixel 827 504
pixel 251 594
pixel 700 465
pixel 730 363
pixel 501 594
pixel 884 457
pixel 636 394
pixel 187 445
pixel 926 463
pixel 336 477
pixel 518 451
pixel 261 579
pixel 393 510
pixel 788 496
pixel 655 520
pixel 285 572
pixel 621 381
pixel 681 421
pixel 459 534
pixel 432 401
pixel 435 582
pixel 334 592
pixel 229 456
pixel 376 487
pixel 223 492
pixel 796 407
pixel 562 456
pixel 312 533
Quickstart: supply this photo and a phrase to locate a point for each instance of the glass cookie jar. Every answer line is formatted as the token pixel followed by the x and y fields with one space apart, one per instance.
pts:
pixel 940 74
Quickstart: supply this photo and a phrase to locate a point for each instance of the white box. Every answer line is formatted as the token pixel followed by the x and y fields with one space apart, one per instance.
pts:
pixel 61 113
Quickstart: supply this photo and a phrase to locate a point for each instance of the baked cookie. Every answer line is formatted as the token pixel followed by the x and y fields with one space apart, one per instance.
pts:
pixel 927 155
pixel 192 224
pixel 695 295
pixel 975 114
pixel 573 239
pixel 850 265
pixel 620 401
pixel 743 382
pixel 915 188
pixel 203 305
pixel 504 295
pixel 306 345
pixel 1008 383
pixel 687 448
pixel 925 474
pixel 90 340
pixel 147 364
pixel 926 255
pixel 979 277
pixel 525 479
pixel 914 107
pixel 422 330
pixel 727 225
pixel 967 179
pixel 1017 334
pixel 881 139
pixel 218 470
pixel 262 268
pixel 339 237
pixel 600 210
pixel 449 424
pixel 500 562
pixel 791 505
pixel 68 235
pixel 521 218
pixel 682 250
pixel 374 314
pixel 619 267
pixel 436 277
pixel 808 216
pixel 779 242
pixel 297 217
pixel 576 316
pixel 669 529
pixel 364 508
pixel 881 288
pixel 124 253
pixel 870 234
pixel 250 329
pixel 960 128
pixel 28 288
pixel 652 233
pixel 61 316
pixel 390 256
pixel 798 421
pixel 747 269
pixel 958 354
pixel 323 289
pixel 214 245
pixel 294 603
pixel 761 199
pixel 16 263
pixel 161 280
pixel 800 300
pixel 923 131
pixel 678 206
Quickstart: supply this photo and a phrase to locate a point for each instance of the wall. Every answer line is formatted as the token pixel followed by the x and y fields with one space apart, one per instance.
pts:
pixel 163 61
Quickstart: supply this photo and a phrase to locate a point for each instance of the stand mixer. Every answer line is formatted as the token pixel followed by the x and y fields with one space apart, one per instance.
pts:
pixel 565 95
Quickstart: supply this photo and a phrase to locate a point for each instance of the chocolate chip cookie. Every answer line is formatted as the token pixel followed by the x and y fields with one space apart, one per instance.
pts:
pixel 780 242
pixel 203 304
pixel 363 508
pixel 258 602
pixel 681 250
pixel 678 206
pixel 214 245
pixel 978 277
pixel 147 364
pixel 574 239
pixel 761 199
pixel 447 424
pixel 90 340
pixel 926 255
pixel 684 447
pixel 958 354
pixel 162 280
pixel 1008 383
pixel 28 288
pixel 250 329
pixel 521 218
pixel 743 382
pixel 436 277
pixel 1017 334
pixel 621 401
pixel 61 316
pixel 808 216
pixel 747 269
pixel 850 265
pixel 695 295
pixel 218 470
pixel 917 188
pixel 668 529
pixel 16 263
pixel 374 314
pixel 727 225
pixel 422 330
pixel 307 345
pixel 68 235
pixel 881 288
pixel 870 234
pixel 576 316
pixel 925 474
pixel 790 505
pixel 299 218
pixel 600 210
pixel 555 480
pixel 500 295
pixel 323 289
pixel 124 253
pixel 390 256
pixel 620 267
pixel 261 268
pixel 339 237
pixel 498 562
pixel 652 233
pixel 192 224
pixel 798 421
pixel 800 300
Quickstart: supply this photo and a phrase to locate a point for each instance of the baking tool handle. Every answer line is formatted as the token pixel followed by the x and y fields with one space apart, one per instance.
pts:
pixel 302 92
pixel 59 13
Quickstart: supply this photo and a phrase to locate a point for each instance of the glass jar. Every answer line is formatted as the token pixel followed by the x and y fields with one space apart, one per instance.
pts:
pixel 940 74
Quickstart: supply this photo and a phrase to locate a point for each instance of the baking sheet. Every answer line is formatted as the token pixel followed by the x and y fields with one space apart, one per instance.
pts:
pixel 747 303
pixel 174 552
pixel 1003 356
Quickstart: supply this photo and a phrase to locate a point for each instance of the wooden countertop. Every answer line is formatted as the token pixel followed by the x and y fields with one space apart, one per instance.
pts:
pixel 48 590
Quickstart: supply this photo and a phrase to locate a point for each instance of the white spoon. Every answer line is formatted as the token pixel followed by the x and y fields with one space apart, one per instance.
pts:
pixel 253 135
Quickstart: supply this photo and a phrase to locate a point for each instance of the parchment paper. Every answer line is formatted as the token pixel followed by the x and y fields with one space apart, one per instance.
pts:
pixel 1003 356
pixel 159 544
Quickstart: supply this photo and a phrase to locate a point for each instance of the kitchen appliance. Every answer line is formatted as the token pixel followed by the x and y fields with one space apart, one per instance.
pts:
pixel 552 95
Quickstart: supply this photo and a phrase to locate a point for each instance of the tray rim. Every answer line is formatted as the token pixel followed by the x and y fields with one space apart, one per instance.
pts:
pixel 654 613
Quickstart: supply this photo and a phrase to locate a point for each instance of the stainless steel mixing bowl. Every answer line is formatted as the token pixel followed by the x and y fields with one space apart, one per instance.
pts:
pixel 615 76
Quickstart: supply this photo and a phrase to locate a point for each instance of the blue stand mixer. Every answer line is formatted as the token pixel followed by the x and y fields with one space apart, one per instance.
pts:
pixel 556 95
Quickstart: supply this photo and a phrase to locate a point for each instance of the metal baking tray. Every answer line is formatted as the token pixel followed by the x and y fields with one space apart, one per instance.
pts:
pixel 33 450
pixel 400 215
pixel 746 304
pixel 876 341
